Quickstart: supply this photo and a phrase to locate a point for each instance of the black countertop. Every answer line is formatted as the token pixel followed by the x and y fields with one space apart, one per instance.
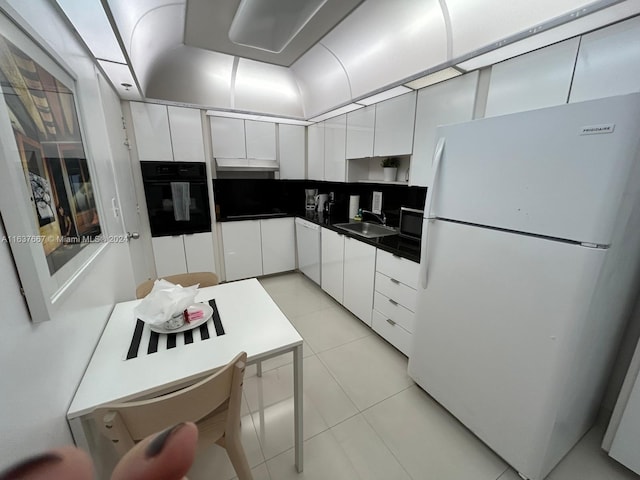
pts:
pixel 394 244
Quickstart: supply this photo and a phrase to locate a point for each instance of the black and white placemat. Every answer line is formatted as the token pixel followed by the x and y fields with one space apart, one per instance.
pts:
pixel 145 342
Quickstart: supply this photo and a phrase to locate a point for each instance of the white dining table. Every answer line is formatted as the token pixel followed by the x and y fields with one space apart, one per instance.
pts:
pixel 251 320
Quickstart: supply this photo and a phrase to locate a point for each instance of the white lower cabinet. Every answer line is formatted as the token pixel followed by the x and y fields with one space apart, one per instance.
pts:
pixel 198 252
pixel 183 254
pixel 359 271
pixel 332 277
pixel 394 302
pixel 258 247
pixel 391 332
pixel 242 249
pixel 278 245
pixel 348 268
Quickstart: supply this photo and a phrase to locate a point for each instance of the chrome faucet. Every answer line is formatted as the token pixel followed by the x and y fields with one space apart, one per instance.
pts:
pixel 381 218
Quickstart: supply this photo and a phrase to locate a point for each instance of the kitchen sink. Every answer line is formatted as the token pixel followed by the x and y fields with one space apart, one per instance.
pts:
pixel 366 229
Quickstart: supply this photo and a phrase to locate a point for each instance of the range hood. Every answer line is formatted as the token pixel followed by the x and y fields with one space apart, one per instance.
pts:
pixel 246 165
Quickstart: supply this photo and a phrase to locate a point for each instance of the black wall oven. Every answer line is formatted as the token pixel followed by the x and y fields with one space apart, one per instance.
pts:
pixel 177 197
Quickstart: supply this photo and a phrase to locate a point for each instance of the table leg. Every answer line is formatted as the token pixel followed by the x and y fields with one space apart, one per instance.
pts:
pixel 297 406
pixel 78 433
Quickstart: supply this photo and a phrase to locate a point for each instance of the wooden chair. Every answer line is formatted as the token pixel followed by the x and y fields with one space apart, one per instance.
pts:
pixel 205 279
pixel 213 404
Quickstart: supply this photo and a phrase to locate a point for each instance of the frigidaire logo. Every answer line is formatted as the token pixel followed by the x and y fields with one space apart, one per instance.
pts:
pixel 597 129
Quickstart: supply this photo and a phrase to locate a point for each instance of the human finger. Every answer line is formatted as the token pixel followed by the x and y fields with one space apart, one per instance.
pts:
pixel 67 463
pixel 165 456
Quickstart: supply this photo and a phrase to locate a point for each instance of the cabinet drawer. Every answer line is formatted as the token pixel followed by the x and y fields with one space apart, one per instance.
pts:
pixel 404 295
pixel 398 268
pixel 394 334
pixel 394 311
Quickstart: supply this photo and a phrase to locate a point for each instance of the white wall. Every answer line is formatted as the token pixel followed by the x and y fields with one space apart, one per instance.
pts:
pixel 43 363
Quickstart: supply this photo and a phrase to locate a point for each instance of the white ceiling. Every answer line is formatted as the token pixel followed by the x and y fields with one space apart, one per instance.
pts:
pixel 179 51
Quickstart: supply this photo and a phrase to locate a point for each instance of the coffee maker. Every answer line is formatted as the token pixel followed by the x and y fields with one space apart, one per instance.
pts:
pixel 310 198
pixel 321 201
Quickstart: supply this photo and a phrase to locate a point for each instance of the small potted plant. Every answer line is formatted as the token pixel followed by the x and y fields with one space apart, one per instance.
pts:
pixel 390 168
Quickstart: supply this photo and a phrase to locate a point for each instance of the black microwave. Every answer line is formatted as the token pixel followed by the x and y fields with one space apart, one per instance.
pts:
pixel 410 223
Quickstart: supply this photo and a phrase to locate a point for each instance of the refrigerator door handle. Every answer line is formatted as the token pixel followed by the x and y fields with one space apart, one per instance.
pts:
pixel 437 159
pixel 429 213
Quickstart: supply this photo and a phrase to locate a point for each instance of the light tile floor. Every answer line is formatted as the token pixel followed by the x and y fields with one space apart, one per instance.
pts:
pixel 364 418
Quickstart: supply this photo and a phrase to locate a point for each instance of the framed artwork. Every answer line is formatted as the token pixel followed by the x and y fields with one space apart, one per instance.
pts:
pixel 60 219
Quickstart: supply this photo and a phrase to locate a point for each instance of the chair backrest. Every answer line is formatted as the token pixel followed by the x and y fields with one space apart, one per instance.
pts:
pixel 205 279
pixel 127 423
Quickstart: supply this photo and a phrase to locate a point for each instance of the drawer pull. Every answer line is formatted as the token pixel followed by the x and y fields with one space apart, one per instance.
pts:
pixel 393 280
pixel 393 302
pixel 391 322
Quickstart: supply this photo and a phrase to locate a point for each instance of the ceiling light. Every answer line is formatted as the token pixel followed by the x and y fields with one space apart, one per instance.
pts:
pixel 432 78
pixel 91 22
pixel 259 118
pixel 387 94
pixel 271 24
pixel 120 76
pixel 334 113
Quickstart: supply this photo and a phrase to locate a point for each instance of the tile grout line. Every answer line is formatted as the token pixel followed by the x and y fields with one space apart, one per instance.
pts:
pixel 359 411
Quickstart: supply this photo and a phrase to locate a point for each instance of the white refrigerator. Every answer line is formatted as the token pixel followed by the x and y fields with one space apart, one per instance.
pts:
pixel 529 270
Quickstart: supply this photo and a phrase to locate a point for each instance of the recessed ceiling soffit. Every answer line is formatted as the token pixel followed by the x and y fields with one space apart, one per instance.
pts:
pixel 208 23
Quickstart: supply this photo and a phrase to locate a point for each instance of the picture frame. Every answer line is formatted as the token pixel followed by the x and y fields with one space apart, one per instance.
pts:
pixel 50 208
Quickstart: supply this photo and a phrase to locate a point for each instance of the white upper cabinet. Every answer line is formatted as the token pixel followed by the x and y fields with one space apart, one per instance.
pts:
pixel 167 133
pixel 151 127
pixel 360 130
pixel 608 62
pixel 260 139
pixel 228 138
pixel 185 125
pixel 291 151
pixel 394 126
pixel 315 151
pixel 447 102
pixel 335 136
pixel 535 80
pixel 237 138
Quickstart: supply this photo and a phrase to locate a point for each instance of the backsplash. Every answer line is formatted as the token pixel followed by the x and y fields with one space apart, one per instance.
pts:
pixel 236 197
